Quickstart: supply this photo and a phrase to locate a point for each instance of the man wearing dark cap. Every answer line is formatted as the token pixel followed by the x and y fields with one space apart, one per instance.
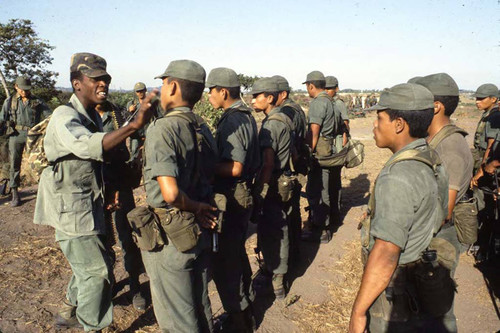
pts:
pixel 407 206
pixel 239 160
pixel 70 191
pixel 449 142
pixel 177 188
pixel 21 112
pixel 272 198
pixel 324 127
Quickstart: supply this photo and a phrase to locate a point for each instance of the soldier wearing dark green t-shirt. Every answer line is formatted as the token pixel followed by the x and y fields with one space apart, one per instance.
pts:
pixel 21 112
pixel 325 125
pixel 276 142
pixel 239 160
pixel 174 183
pixel 407 207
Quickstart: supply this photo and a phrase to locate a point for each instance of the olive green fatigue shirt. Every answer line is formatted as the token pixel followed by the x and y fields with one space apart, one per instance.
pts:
pixel 298 116
pixel 29 114
pixel 340 105
pixel 170 151
pixel 237 139
pixel 410 204
pixel 276 135
pixel 70 191
pixel 321 112
pixel 487 128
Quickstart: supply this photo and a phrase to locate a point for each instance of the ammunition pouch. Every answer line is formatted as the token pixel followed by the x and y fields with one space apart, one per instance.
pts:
pixel 180 226
pixel 466 221
pixel 477 155
pixel 240 196
pixel 146 228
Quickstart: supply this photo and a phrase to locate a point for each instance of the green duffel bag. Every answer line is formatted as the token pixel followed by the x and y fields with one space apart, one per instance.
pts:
pixel 466 221
pixel 146 229
pixel 350 156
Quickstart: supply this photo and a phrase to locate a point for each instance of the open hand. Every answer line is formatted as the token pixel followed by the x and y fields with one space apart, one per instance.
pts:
pixel 204 215
pixel 145 112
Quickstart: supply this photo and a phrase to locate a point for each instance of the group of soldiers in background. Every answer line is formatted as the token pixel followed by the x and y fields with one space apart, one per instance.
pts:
pixel 203 190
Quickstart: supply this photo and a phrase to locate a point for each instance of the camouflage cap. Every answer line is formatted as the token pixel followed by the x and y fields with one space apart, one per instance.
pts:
pixel 265 84
pixel 222 77
pixel 405 97
pixel 184 69
pixel 440 84
pixel 414 79
pixel 331 82
pixel 88 64
pixel 23 83
pixel 487 90
pixel 314 76
pixel 282 83
pixel 139 86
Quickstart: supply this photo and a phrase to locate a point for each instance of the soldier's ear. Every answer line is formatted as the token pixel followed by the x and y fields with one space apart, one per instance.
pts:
pixel 76 84
pixel 438 107
pixel 399 125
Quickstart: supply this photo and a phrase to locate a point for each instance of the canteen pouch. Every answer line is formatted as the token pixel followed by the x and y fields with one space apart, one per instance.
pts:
pixel 241 197
pixel 324 147
pixel 145 228
pixel 180 227
pixel 286 185
pixel 466 221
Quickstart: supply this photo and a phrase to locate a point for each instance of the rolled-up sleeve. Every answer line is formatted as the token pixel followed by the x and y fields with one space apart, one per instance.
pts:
pixel 160 152
pixel 317 112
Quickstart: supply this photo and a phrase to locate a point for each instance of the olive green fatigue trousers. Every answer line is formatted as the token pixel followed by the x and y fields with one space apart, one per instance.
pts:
pixel 16 148
pixel 90 286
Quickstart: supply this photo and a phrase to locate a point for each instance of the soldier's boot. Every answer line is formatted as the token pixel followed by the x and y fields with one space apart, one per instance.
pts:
pixel 16 201
pixel 138 301
pixel 278 286
pixel 237 323
pixel 66 317
pixel 249 319
pixel 3 187
pixel 326 236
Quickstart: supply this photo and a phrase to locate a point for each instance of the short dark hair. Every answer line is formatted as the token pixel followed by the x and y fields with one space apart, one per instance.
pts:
pixel 275 95
pixel 418 121
pixel 334 87
pixel 450 103
pixel 234 92
pixel 320 84
pixel 190 91
pixel 78 75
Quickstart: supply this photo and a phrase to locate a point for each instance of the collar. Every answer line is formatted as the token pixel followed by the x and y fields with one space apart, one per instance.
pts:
pixel 273 111
pixel 419 143
pixel 77 105
pixel 179 108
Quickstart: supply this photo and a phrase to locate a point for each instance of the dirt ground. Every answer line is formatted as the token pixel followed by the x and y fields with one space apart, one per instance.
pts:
pixel 324 281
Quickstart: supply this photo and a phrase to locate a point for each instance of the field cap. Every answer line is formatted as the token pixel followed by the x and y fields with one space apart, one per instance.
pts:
pixel 184 69
pixel 265 84
pixel 314 76
pixel 440 84
pixel 487 90
pixel 23 83
pixel 139 86
pixel 89 64
pixel 222 77
pixel 414 79
pixel 282 83
pixel 331 82
pixel 405 97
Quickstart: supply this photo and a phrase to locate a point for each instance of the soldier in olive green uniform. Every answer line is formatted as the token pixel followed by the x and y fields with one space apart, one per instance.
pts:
pixel 21 112
pixel 115 177
pixel 325 125
pixel 179 279
pixel 300 162
pixel 449 142
pixel 408 205
pixel 70 191
pixel 239 160
pixel 276 143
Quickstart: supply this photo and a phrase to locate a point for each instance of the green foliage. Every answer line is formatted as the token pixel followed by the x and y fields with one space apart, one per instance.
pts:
pixel 247 81
pixel 207 112
pixel 24 53
pixel 121 98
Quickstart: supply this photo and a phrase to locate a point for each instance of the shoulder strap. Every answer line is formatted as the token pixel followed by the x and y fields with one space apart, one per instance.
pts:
pixel 445 132
pixel 281 117
pixel 428 157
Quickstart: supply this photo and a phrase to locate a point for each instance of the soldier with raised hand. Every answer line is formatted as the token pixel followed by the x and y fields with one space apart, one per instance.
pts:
pixel 407 206
pixel 177 189
pixel 21 112
pixel 276 143
pixel 239 160
pixel 449 142
pixel 70 191
pixel 324 127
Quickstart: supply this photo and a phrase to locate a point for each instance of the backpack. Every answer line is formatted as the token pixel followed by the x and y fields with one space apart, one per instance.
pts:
pixel 37 160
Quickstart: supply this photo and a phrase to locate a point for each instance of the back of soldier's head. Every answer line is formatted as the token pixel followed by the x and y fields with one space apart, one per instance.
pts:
pixel 444 89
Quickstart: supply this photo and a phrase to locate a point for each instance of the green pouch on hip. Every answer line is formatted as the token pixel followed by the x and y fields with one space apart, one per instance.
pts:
pixel 466 222
pixel 324 147
pixel 181 229
pixel 145 228
pixel 286 185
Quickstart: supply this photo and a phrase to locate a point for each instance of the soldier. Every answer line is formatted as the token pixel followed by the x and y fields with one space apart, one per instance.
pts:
pixel 176 189
pixel 21 112
pixel 69 193
pixel 117 181
pixel 276 143
pixel 239 156
pixel 449 142
pixel 324 127
pixel 300 163
pixel 407 206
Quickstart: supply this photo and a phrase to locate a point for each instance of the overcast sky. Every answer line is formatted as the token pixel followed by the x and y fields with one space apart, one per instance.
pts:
pixel 365 44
